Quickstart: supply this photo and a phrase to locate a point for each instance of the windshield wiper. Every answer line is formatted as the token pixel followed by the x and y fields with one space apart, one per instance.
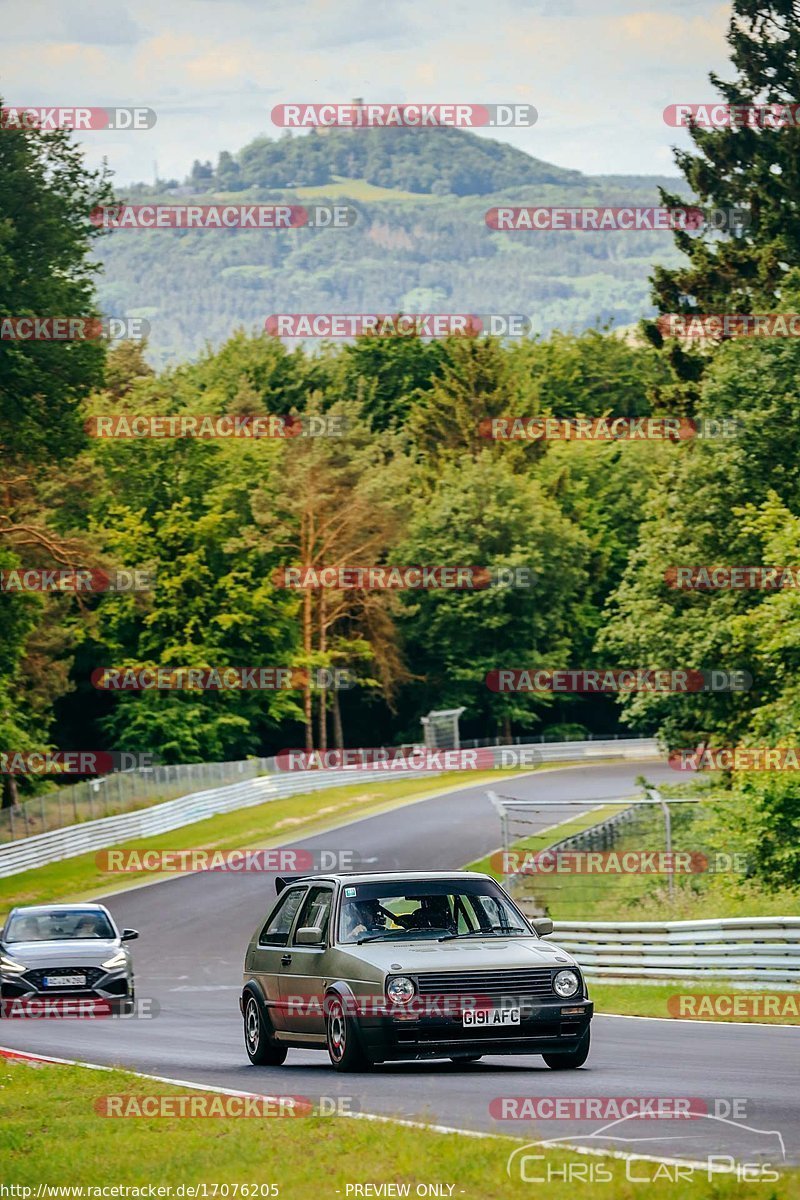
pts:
pixel 392 934
pixel 491 930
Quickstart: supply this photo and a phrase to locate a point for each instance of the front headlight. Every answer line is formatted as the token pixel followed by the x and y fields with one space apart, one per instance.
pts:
pixel 9 967
pixel 566 983
pixel 119 960
pixel 400 989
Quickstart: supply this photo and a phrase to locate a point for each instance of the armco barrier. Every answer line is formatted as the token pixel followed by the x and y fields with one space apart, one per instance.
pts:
pixel 73 840
pixel 740 949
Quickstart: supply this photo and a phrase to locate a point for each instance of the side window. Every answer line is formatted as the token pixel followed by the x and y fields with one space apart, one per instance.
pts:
pixel 276 930
pixel 317 909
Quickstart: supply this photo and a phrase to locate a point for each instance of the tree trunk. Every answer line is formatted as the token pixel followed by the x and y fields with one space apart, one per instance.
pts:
pixel 10 796
pixel 307 705
pixel 338 734
pixel 323 691
pixel 507 727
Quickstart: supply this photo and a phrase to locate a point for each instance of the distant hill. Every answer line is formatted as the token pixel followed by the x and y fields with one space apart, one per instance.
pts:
pixel 429 162
pixel 420 242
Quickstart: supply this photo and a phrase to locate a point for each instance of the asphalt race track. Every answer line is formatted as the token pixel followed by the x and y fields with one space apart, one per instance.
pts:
pixel 194 929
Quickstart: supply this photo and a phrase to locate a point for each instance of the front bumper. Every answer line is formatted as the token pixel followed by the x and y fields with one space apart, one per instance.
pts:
pixel 113 987
pixel 543 1029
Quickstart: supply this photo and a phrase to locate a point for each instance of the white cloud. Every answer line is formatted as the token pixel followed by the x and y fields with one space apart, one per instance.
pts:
pixel 600 72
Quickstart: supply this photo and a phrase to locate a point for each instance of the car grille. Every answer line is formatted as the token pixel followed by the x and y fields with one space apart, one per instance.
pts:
pixel 489 985
pixel 93 974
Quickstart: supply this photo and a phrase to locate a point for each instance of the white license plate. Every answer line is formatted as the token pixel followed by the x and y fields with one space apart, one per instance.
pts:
pixel 491 1016
pixel 65 981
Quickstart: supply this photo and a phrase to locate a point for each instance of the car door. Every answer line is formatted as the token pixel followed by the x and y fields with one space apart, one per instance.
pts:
pixel 301 983
pixel 271 950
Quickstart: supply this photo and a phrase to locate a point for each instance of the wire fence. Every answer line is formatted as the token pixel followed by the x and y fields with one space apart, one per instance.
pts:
pixel 119 792
pixel 126 791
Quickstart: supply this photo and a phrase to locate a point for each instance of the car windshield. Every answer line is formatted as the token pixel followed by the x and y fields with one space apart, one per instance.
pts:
pixel 395 911
pixel 58 925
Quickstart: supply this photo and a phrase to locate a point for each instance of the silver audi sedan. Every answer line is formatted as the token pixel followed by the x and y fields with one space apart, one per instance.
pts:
pixel 64 951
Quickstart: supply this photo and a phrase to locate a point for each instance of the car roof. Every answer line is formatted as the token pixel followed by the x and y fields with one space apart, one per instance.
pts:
pixel 33 909
pixel 389 876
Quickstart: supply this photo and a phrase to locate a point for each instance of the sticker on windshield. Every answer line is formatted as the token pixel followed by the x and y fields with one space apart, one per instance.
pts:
pixel 349 891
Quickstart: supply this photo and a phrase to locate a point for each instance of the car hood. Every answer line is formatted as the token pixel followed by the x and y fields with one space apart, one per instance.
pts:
pixel 85 952
pixel 484 954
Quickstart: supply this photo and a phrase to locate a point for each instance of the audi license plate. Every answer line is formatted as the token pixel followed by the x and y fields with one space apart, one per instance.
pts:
pixel 65 981
pixel 491 1016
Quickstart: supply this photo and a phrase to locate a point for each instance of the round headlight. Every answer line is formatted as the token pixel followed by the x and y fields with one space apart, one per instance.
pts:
pixel 566 983
pixel 400 989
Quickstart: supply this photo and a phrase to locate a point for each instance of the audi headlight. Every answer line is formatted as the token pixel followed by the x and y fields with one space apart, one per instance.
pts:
pixel 119 960
pixel 9 967
pixel 400 989
pixel 566 983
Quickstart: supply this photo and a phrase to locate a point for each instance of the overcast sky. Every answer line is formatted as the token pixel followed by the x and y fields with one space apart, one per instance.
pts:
pixel 600 72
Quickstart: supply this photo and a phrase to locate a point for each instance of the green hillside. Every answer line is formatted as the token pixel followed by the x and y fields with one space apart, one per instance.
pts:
pixel 420 242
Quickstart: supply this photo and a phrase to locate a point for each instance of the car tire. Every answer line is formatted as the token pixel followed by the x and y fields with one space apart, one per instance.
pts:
pixel 261 1047
pixel 344 1045
pixel 570 1059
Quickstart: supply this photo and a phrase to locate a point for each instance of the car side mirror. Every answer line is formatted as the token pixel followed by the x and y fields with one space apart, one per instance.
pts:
pixel 542 926
pixel 129 934
pixel 309 935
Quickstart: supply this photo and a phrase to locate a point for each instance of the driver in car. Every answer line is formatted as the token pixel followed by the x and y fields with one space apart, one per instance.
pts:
pixel 363 917
pixel 433 913
pixel 86 927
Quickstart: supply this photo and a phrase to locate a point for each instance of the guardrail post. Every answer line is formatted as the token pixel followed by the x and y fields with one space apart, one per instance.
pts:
pixel 656 795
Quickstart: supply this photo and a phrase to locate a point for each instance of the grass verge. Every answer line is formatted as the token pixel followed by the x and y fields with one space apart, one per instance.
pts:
pixel 540 841
pixel 756 1005
pixel 51 1133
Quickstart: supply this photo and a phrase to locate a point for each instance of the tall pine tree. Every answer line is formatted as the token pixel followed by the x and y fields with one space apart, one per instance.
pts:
pixel 756 169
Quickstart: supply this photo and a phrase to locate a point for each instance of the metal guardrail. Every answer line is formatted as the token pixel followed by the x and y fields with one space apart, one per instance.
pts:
pixel 72 840
pixel 162 818
pixel 740 949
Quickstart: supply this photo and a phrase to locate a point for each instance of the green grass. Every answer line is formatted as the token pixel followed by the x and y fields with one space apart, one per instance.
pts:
pixel 541 841
pixel 354 189
pixel 51 1133
pixel 279 822
pixel 651 1000
pixel 642 897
